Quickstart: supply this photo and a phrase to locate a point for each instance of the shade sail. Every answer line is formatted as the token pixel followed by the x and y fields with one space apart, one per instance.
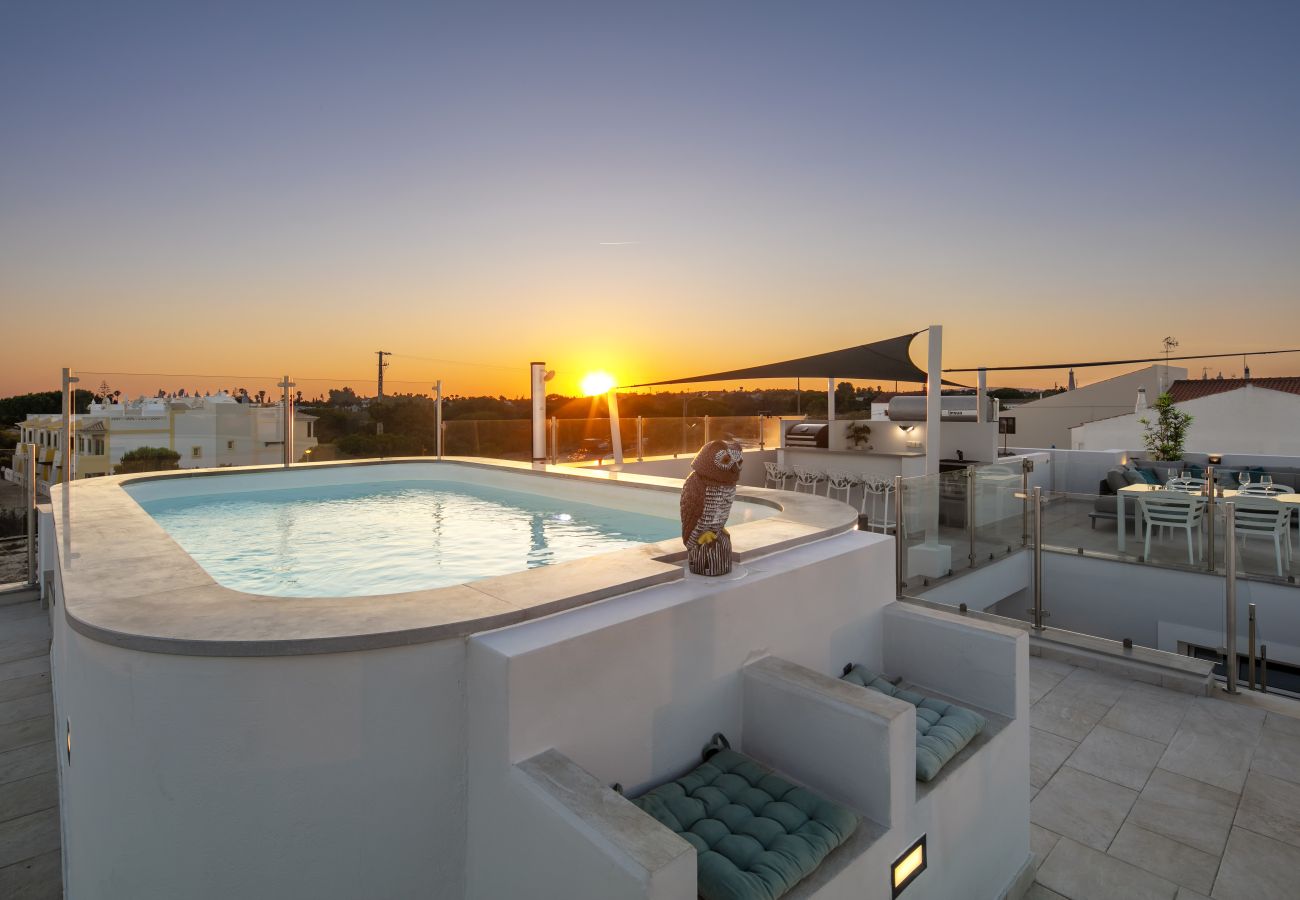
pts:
pixel 886 360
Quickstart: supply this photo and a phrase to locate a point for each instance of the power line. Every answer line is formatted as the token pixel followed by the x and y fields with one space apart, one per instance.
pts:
pixel 1117 362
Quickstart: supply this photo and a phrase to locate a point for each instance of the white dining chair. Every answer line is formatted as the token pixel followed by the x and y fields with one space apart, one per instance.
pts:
pixel 838 481
pixel 1261 516
pixel 1256 489
pixel 1172 510
pixel 776 476
pixel 807 478
pixel 879 507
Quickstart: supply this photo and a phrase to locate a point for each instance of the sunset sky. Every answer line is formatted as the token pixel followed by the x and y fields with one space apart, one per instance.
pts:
pixel 651 189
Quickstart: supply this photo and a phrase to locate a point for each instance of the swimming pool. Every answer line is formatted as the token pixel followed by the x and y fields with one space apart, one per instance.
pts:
pixel 390 536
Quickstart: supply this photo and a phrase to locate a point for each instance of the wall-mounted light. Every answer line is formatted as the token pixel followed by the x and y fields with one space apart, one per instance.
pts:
pixel 906 429
pixel 908 866
pixel 68 728
pixel 1216 459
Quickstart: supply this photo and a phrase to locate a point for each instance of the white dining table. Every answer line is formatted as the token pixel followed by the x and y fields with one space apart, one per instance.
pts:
pixel 1133 489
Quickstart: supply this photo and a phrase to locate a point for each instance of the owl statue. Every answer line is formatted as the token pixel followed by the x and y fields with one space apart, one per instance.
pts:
pixel 706 503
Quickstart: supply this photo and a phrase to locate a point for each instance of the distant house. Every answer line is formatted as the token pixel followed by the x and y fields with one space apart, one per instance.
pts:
pixel 1049 422
pixel 206 431
pixel 1232 415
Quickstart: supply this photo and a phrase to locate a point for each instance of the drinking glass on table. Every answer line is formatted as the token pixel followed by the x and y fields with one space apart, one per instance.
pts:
pixel 1243 478
pixel 1267 481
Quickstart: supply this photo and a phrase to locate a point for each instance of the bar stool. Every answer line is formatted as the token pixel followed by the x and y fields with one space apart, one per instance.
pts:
pixel 776 476
pixel 837 481
pixel 807 478
pixel 876 506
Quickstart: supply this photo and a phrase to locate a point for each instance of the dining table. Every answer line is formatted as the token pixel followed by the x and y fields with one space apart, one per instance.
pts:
pixel 1133 490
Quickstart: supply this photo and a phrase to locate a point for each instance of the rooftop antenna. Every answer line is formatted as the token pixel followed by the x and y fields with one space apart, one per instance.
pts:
pixel 1170 344
pixel 382 365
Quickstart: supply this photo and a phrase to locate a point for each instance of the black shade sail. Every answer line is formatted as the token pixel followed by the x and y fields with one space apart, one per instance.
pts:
pixel 886 360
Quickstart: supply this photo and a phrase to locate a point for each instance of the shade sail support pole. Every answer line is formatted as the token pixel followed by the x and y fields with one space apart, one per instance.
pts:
pixel 934 400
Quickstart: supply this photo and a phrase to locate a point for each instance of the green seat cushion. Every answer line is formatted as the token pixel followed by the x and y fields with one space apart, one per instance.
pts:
pixel 755 834
pixel 1150 476
pixel 942 729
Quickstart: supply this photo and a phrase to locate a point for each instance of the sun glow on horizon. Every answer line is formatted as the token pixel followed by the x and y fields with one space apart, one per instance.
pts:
pixel 594 383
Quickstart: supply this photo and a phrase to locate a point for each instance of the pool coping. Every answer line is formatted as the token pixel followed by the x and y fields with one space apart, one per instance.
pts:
pixel 125 582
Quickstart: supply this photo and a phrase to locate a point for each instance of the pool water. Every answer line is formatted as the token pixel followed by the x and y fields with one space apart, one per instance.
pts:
pixel 390 536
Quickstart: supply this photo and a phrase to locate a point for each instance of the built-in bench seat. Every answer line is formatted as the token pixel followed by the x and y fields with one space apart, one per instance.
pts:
pixel 756 834
pixel 942 728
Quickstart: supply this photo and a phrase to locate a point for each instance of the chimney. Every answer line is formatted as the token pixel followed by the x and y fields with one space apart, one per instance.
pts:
pixel 1245 373
pixel 1070 386
pixel 1141 405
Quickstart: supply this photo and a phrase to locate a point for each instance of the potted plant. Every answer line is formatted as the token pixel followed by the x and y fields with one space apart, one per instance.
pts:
pixel 1165 437
pixel 859 433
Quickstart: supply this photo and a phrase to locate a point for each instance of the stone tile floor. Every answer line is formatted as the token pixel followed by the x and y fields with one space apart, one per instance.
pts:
pixel 1144 792
pixel 30 861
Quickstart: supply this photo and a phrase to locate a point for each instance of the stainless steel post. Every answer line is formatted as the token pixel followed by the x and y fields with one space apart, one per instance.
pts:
pixel 29 500
pixel 1037 611
pixel 900 574
pixel 288 421
pixel 1230 581
pixel 640 438
pixel 1209 516
pixel 1025 467
pixel 970 513
pixel 1263 668
pixel 437 414
pixel 555 440
pixel 762 429
pixel 1250 640
pixel 707 427
pixel 69 411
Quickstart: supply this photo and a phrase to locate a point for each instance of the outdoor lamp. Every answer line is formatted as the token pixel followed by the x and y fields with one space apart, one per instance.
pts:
pixel 1216 459
pixel 907 867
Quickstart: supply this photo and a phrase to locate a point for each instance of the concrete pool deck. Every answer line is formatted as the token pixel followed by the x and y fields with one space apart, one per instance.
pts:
pixel 125 582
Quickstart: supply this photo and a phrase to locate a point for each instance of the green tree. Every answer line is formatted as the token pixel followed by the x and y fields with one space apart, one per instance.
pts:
pixel 148 459
pixel 1166 436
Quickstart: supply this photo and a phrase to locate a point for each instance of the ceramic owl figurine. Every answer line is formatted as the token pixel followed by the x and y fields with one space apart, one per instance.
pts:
pixel 706 502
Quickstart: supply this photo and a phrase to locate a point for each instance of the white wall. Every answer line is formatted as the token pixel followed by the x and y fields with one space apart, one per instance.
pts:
pixel 1046 423
pixel 1158 607
pixel 1248 420
pixel 332 776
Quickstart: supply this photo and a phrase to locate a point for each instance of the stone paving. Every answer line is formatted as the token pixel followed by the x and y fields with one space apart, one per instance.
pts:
pixel 1144 792
pixel 30 861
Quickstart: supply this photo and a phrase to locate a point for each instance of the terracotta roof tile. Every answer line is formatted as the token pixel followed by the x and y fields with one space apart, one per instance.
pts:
pixel 1191 389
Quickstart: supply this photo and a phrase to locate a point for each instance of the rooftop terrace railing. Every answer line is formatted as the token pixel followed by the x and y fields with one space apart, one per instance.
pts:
pixel 1192 552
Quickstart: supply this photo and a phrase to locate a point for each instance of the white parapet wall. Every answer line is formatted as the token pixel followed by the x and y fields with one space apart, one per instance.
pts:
pixel 629 690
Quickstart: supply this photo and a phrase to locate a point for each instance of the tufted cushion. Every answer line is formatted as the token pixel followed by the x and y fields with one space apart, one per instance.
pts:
pixel 755 834
pixel 942 729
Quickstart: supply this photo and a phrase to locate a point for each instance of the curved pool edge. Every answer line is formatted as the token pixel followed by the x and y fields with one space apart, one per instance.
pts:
pixel 125 582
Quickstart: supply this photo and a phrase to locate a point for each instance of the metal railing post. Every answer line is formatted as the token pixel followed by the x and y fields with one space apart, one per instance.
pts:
pixel 900 574
pixel 970 513
pixel 1026 466
pixel 69 412
pixel 437 415
pixel 1037 610
pixel 762 436
pixel 1230 583
pixel 1250 640
pixel 707 427
pixel 29 500
pixel 288 421
pixel 1209 516
pixel 640 438
pixel 555 440
pixel 1263 668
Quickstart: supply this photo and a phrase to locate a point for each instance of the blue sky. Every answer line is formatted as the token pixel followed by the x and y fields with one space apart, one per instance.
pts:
pixel 606 185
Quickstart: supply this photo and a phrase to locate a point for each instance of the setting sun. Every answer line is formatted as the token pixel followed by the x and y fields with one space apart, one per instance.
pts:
pixel 594 383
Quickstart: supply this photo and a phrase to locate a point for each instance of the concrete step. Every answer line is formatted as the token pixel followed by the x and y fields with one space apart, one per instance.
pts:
pixel 18 593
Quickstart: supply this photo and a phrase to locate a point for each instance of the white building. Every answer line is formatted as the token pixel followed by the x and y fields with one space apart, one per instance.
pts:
pixel 206 432
pixel 1048 422
pixel 1231 415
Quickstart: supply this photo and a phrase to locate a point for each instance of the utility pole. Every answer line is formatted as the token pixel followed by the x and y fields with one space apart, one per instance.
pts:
pixel 382 365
